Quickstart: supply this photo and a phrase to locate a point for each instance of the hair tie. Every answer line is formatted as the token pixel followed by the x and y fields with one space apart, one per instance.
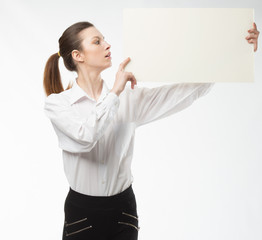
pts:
pixel 59 54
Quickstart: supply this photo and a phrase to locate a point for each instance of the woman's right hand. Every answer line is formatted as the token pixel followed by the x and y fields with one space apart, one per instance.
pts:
pixel 122 77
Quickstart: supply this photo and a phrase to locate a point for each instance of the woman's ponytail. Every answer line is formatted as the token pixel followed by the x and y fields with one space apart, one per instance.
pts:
pixel 52 78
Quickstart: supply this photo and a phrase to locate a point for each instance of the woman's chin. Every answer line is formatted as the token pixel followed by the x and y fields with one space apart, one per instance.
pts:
pixel 107 66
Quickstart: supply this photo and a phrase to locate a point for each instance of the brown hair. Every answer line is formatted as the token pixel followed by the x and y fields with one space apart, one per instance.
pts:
pixel 69 41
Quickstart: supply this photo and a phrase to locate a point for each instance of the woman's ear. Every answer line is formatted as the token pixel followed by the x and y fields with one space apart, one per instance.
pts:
pixel 77 56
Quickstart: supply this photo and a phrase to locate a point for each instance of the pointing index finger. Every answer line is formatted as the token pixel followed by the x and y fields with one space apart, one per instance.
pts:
pixel 124 63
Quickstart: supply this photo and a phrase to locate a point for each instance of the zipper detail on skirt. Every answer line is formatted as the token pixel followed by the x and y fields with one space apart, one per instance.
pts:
pixel 68 234
pixel 137 228
pixel 130 215
pixel 81 220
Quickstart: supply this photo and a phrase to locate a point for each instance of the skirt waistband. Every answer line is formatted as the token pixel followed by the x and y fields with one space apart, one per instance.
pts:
pixel 89 201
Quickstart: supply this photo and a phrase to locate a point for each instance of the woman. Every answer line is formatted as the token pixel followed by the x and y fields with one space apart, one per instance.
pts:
pixel 95 127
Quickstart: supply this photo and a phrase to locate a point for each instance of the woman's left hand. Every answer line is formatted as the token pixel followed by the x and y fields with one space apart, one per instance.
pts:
pixel 252 38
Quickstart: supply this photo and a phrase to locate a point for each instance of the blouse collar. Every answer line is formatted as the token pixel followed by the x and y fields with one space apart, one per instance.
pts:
pixel 77 93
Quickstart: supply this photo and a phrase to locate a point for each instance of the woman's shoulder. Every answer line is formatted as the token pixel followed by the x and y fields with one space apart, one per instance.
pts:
pixel 135 92
pixel 62 98
pixel 131 91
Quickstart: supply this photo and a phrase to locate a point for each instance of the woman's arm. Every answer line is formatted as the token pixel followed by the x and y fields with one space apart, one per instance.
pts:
pixel 152 104
pixel 76 133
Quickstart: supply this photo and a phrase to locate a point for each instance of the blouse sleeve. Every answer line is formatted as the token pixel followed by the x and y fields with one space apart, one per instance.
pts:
pixel 76 133
pixel 156 103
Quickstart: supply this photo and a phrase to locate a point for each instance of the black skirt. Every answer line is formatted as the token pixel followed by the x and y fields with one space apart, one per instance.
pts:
pixel 101 217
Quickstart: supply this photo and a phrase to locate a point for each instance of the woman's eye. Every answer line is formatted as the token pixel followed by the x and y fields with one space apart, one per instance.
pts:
pixel 97 41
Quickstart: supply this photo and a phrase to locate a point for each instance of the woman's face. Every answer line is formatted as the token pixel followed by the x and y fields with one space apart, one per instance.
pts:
pixel 95 48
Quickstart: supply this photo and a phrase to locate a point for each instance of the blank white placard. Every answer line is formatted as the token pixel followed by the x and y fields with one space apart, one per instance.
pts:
pixel 189 44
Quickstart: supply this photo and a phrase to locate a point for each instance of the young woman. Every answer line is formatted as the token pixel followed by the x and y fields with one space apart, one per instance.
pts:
pixel 95 127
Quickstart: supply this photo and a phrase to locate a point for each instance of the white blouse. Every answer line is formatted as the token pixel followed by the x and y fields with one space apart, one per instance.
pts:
pixel 97 137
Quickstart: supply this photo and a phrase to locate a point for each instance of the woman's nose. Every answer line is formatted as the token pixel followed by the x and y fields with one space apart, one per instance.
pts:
pixel 108 45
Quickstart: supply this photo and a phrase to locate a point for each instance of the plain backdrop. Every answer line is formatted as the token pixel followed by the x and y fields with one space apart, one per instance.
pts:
pixel 197 174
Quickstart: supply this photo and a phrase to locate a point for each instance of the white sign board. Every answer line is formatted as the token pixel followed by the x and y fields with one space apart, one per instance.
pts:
pixel 189 44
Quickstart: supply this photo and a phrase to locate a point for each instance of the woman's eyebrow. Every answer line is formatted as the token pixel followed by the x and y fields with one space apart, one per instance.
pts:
pixel 98 37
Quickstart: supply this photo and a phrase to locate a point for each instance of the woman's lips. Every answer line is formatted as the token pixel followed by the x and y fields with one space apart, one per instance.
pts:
pixel 108 55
